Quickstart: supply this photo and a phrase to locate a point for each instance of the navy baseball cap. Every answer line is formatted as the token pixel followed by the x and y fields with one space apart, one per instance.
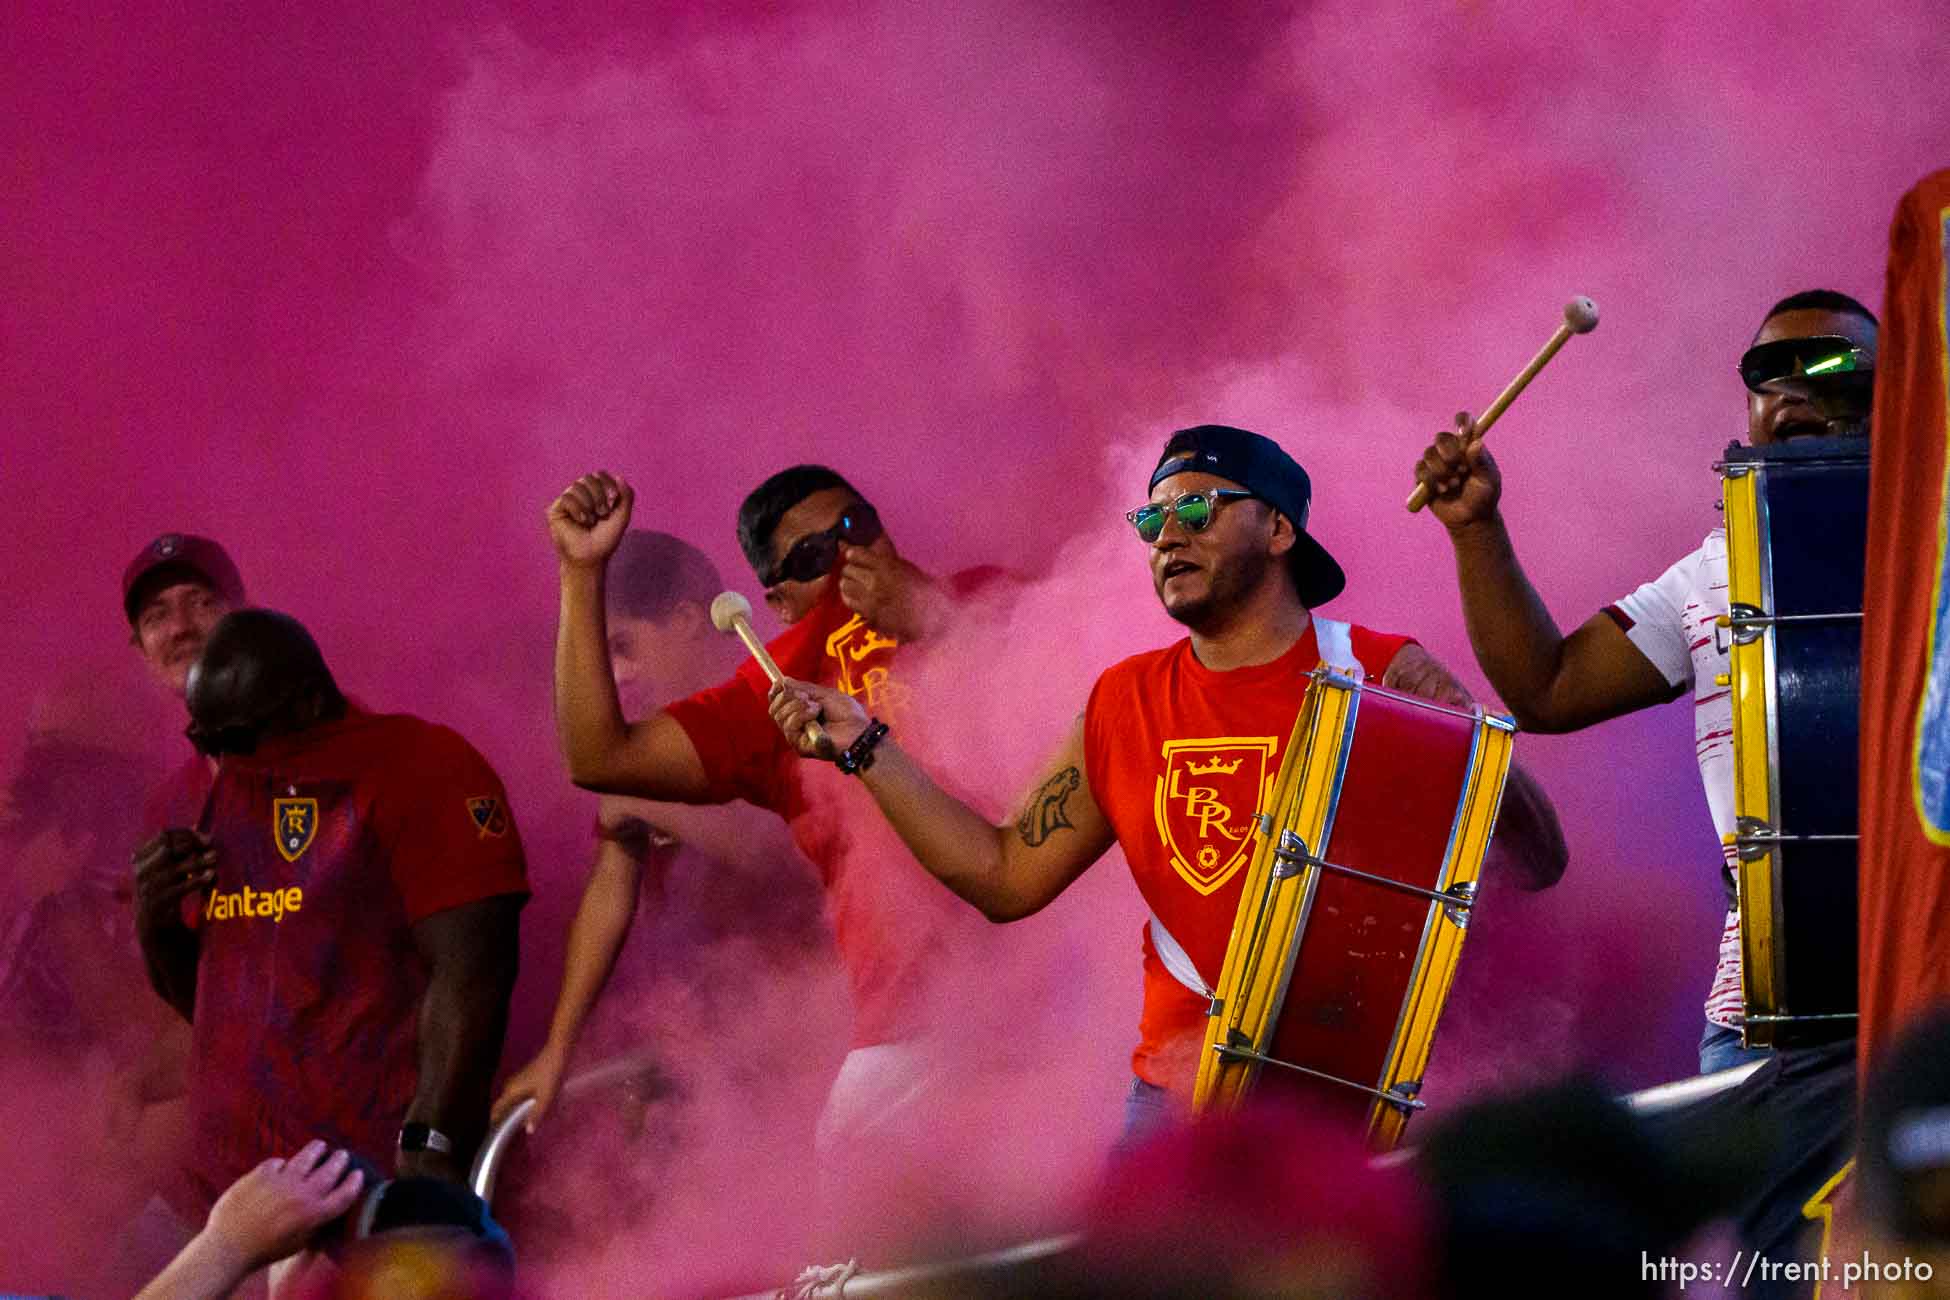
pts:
pixel 1263 468
pixel 180 556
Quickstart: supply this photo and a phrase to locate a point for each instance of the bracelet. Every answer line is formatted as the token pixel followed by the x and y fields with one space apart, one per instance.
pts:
pixel 858 757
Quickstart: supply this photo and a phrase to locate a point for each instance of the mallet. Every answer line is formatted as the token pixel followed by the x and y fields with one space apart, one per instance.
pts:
pixel 1580 317
pixel 731 612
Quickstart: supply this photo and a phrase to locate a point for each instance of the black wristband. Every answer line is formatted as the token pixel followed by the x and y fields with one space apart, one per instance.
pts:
pixel 858 757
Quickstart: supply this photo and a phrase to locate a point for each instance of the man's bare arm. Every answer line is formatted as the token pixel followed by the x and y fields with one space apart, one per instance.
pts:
pixel 472 955
pixel 602 922
pixel 653 759
pixel 1008 871
pixel 1550 682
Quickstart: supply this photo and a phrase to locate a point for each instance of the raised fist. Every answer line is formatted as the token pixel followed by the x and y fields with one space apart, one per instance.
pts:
pixel 588 520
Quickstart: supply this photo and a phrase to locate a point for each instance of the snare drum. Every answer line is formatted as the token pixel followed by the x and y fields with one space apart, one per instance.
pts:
pixel 1352 917
pixel 1796 520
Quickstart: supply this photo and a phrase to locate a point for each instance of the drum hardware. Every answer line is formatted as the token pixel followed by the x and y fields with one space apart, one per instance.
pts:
pixel 1796 522
pixel 1750 623
pixel 1292 856
pixel 1755 837
pixel 1355 902
pixel 1401 1096
pixel 1795 1020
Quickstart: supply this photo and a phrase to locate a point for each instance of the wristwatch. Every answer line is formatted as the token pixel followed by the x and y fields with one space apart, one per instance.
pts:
pixel 415 1136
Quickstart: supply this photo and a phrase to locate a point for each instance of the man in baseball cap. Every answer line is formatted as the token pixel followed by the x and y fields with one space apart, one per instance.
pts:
pixel 1225 535
pixel 173 593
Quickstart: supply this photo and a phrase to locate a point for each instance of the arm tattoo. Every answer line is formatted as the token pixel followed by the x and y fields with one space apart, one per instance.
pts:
pixel 1047 811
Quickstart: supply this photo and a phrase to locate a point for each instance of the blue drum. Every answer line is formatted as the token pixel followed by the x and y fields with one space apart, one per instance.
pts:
pixel 1797 522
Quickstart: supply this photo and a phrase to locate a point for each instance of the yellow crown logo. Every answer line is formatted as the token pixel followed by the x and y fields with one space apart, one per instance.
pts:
pixel 1217 765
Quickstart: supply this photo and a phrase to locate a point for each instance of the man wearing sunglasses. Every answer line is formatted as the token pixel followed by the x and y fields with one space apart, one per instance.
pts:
pixel 1174 747
pixel 849 601
pixel 1808 372
pixel 361 881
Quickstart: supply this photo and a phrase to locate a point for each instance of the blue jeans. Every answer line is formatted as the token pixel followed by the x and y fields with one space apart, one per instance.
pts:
pixel 1720 1049
pixel 1147 1109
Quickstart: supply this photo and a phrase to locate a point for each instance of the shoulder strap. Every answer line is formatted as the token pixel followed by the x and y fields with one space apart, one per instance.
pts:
pixel 1336 645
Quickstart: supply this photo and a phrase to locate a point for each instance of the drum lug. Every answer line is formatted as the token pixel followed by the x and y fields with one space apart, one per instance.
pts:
pixel 1216 1007
pixel 1464 894
pixel 1753 838
pixel 1290 856
pixel 1748 622
pixel 1403 1096
pixel 1265 822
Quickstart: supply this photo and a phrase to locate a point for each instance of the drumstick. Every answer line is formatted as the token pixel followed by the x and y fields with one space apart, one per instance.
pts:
pixel 1580 317
pixel 731 612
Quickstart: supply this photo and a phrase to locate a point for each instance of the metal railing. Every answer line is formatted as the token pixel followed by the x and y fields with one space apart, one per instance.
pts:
pixel 844 1280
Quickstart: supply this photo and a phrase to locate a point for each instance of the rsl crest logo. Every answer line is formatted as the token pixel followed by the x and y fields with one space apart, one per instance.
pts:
pixel 488 816
pixel 294 824
pixel 1205 801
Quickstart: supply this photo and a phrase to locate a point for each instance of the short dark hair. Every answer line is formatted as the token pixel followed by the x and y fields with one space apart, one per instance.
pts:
pixel 1820 300
pixel 652 573
pixel 759 515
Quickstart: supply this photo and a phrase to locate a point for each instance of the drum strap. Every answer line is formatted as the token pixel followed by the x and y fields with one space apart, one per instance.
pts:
pixel 1336 646
pixel 1176 960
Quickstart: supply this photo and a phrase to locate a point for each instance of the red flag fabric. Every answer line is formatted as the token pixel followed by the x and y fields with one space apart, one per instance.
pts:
pixel 1905 813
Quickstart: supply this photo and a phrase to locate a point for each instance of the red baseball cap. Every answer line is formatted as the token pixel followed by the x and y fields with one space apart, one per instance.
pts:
pixel 182 556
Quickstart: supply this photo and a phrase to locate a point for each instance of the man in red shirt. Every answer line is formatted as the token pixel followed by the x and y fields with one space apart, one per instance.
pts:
pixel 832 575
pixel 361 882
pixel 173 592
pixel 711 874
pixel 1231 560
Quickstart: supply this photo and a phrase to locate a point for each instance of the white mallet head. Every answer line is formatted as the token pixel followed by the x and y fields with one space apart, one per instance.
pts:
pixel 1581 314
pixel 727 607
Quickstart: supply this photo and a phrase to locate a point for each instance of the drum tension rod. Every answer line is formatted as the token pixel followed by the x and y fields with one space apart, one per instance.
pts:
pixel 1753 838
pixel 1790 1020
pixel 1401 1096
pixel 1748 622
pixel 1292 855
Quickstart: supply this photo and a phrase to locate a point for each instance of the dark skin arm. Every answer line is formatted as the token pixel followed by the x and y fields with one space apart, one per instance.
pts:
pixel 170 866
pixel 1551 682
pixel 472 954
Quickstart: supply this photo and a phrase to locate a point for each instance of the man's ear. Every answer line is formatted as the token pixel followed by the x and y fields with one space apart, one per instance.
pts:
pixel 1284 535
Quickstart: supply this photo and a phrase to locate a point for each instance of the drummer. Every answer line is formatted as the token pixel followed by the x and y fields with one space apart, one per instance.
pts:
pixel 1225 530
pixel 1660 641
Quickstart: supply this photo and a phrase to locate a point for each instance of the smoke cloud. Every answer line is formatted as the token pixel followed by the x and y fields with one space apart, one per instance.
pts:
pixel 357 292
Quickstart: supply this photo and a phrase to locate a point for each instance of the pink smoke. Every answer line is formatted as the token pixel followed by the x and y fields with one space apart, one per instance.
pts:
pixel 359 292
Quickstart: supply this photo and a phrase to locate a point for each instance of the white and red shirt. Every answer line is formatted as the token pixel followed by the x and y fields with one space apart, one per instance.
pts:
pixel 1672 620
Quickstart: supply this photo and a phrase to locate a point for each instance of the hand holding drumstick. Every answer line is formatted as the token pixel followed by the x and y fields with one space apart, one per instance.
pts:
pixel 1465 447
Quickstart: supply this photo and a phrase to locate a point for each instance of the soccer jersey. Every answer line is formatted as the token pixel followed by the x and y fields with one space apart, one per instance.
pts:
pixel 890 918
pixel 331 844
pixel 1179 758
pixel 1672 621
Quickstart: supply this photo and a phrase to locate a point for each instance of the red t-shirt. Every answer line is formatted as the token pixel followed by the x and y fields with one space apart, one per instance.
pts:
pixel 1179 758
pixel 1904 923
pixel 331 844
pixel 891 919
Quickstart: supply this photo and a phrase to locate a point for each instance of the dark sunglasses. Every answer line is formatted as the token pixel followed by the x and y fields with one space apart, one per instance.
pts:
pixel 1194 511
pixel 1810 358
pixel 814 555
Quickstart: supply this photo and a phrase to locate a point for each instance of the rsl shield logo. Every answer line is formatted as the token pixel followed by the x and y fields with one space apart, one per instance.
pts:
pixel 1205 801
pixel 489 817
pixel 294 824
